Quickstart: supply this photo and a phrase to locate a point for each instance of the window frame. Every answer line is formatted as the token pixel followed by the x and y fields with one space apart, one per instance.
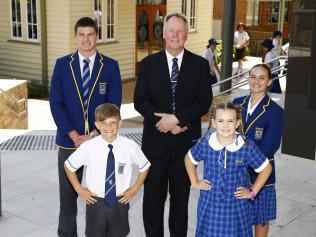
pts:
pixel 20 38
pixel 112 17
pixel 105 21
pixel 24 22
pixel 286 13
pixel 191 16
pixel 31 23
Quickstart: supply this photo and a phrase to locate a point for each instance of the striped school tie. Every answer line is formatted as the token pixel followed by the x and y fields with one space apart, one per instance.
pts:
pixel 110 190
pixel 174 79
pixel 85 82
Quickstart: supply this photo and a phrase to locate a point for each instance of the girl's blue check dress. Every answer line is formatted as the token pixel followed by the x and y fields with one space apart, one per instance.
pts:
pixel 219 213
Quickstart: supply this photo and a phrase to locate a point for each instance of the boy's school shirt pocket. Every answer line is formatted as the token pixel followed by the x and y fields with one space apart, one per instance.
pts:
pixel 121 168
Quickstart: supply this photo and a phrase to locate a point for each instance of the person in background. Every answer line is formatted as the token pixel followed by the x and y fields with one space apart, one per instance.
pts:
pixel 210 55
pixel 241 40
pixel 285 51
pixel 270 57
pixel 80 82
pixel 276 37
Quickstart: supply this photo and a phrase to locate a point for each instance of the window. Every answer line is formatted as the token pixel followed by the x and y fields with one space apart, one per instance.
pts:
pixel 189 9
pixel 110 19
pixel 273 12
pixel 184 7
pixel 24 25
pixel 253 12
pixel 16 24
pixel 192 25
pixel 31 19
pixel 106 29
pixel 98 16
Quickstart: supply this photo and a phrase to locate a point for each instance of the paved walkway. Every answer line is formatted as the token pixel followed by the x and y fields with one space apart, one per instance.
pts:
pixel 30 201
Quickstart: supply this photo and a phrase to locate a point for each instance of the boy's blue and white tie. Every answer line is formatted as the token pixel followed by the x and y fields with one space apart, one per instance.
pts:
pixel 85 81
pixel 85 86
pixel 174 79
pixel 110 190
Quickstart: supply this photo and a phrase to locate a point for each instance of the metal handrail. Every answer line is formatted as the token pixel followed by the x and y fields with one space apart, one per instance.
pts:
pixel 20 102
pixel 245 81
pixel 245 72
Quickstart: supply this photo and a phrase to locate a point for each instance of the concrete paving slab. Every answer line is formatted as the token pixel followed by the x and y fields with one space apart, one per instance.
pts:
pixel 16 226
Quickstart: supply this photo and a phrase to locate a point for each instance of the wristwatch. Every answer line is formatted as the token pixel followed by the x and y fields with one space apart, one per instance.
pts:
pixel 92 134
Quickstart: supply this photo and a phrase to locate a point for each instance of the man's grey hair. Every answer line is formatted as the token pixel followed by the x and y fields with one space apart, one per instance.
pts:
pixel 177 15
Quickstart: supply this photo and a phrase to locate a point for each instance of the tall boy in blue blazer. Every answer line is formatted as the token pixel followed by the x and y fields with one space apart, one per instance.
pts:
pixel 80 82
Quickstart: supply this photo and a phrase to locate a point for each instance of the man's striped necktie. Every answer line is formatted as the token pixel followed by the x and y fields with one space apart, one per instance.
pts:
pixel 174 79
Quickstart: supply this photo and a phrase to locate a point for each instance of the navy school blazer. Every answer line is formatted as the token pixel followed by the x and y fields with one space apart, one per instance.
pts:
pixel 66 94
pixel 264 127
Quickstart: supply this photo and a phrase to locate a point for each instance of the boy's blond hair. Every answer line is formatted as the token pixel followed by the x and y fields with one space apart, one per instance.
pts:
pixel 105 111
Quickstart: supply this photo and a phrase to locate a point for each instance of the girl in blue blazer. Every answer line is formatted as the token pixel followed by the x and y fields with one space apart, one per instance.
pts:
pixel 263 124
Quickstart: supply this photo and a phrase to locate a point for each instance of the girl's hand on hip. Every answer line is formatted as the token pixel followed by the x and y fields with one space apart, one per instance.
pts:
pixel 242 193
pixel 202 184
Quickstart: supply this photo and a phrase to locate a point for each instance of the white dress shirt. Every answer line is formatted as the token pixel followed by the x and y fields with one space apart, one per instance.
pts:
pixel 93 155
pixel 81 58
pixel 170 62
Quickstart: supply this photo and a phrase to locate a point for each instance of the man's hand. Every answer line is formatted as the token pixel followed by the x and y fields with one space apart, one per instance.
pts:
pixel 167 122
pixel 77 138
pixel 87 196
pixel 81 139
pixel 177 129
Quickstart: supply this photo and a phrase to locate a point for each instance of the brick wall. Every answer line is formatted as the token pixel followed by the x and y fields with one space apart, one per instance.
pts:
pixel 240 14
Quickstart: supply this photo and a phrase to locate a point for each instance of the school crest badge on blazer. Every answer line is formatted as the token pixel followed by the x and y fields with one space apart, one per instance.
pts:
pixel 102 88
pixel 258 133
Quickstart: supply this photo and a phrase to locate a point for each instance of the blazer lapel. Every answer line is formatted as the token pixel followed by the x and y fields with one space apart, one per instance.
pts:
pixel 97 68
pixel 76 75
pixel 259 111
pixel 184 70
pixel 164 70
pixel 244 105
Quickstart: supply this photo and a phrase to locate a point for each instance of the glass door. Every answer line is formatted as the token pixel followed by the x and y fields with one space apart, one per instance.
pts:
pixel 149 28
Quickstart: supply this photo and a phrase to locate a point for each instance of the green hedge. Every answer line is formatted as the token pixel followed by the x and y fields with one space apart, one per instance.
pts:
pixel 219 52
pixel 36 90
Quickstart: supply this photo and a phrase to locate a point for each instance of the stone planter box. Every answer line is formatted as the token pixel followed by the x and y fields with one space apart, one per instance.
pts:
pixel 13 104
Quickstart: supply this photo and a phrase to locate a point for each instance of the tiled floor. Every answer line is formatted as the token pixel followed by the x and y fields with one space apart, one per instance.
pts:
pixel 30 197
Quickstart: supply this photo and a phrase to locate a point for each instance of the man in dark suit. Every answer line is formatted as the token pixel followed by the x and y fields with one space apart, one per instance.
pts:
pixel 80 82
pixel 172 93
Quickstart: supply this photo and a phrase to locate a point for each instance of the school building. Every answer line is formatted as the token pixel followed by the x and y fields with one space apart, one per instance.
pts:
pixel 34 33
pixel 261 17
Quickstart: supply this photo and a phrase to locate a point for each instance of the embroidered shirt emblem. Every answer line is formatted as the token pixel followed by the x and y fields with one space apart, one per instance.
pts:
pixel 121 168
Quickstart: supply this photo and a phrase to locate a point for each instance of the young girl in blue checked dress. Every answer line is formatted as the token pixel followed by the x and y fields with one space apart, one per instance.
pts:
pixel 224 206
pixel 263 124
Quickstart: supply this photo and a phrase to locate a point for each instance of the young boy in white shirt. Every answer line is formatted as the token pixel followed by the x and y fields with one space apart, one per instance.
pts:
pixel 108 159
